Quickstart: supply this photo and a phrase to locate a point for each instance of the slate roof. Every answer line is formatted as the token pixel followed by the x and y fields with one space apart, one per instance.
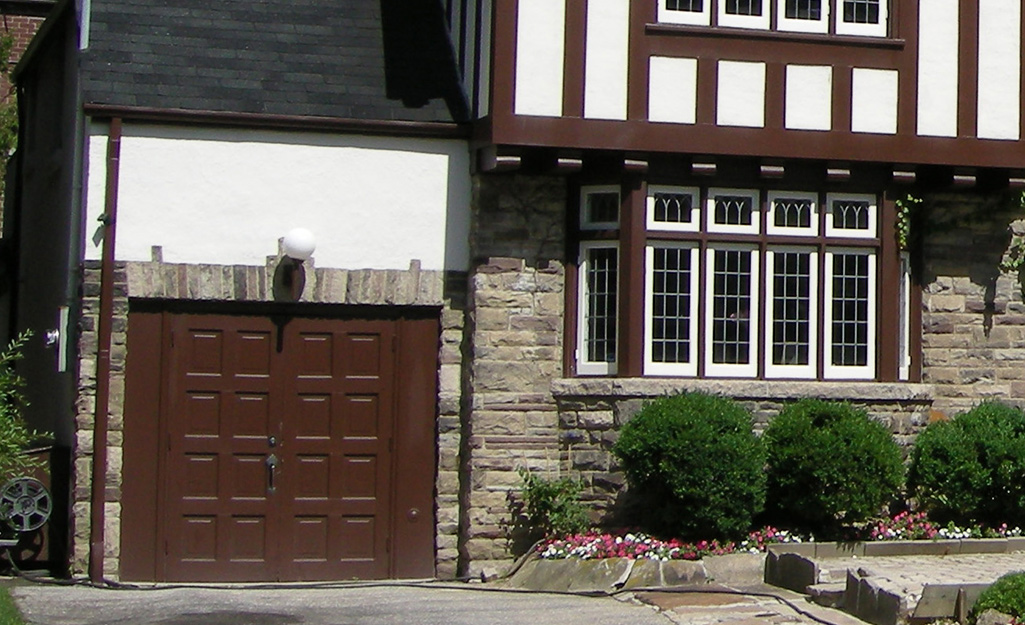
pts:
pixel 281 57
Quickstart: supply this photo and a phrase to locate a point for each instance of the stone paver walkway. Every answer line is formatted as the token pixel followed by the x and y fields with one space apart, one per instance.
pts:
pixel 912 573
pixel 761 605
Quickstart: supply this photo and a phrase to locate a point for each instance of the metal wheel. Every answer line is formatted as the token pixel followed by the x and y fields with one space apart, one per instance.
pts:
pixel 25 504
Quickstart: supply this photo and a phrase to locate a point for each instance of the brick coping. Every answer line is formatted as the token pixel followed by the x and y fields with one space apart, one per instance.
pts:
pixel 744 389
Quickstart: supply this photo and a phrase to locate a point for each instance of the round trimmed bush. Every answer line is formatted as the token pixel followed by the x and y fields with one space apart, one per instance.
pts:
pixel 829 465
pixel 696 466
pixel 1006 595
pixel 969 470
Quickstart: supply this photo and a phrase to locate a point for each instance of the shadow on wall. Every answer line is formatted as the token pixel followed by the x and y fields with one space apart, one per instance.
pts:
pixel 419 60
pixel 968 235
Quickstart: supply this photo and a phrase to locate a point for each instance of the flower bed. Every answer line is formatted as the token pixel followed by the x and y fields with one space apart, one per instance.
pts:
pixel 636 545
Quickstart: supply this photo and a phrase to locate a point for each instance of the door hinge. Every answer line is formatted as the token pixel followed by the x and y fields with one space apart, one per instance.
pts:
pixel 394 344
pixel 387 545
pixel 167 547
pixel 172 338
pixel 391 445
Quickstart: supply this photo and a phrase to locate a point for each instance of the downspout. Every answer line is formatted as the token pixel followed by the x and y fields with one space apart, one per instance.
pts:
pixel 99 467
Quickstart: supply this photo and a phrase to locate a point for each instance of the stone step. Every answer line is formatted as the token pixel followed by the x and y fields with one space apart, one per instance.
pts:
pixel 829 595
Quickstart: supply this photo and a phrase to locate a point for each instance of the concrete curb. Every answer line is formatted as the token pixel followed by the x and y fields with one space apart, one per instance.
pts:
pixel 613 574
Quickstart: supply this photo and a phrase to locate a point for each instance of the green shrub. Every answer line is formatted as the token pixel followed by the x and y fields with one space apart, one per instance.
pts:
pixel 15 436
pixel 829 465
pixel 1006 595
pixel 695 465
pixel 552 506
pixel 969 470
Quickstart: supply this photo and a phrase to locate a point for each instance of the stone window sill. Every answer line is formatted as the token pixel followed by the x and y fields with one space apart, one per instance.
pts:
pixel 744 389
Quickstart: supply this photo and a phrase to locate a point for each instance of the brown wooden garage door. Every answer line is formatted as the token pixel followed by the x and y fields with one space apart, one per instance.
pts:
pixel 280 459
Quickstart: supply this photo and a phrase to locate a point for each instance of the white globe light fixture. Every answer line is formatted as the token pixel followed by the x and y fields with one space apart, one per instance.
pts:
pixel 299 244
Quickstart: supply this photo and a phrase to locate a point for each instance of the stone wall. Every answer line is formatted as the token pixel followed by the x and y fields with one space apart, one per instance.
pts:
pixel 515 327
pixel 156 279
pixel 973 318
pixel 591 411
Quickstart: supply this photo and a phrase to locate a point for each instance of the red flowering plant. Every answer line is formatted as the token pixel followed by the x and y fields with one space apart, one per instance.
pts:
pixel 917 526
pixel 636 546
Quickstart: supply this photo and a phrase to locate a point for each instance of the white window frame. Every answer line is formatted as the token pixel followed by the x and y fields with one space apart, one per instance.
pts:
pixel 809 370
pixel 839 372
pixel 756 212
pixel 672 226
pixel 784 23
pixel 723 370
pixel 584 366
pixel 770 226
pixel 863 30
pixel 756 22
pixel 687 369
pixel 693 18
pixel 873 216
pixel 904 372
pixel 585 222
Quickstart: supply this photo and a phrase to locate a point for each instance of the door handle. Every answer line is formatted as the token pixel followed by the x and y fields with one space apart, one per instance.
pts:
pixel 272 467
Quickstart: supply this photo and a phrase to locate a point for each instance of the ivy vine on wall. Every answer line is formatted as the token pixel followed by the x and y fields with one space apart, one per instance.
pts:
pixel 906 207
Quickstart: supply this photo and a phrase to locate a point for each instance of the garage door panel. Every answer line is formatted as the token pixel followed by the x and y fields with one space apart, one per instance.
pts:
pixel 252 354
pixel 250 415
pixel 248 477
pixel 201 414
pixel 362 355
pixel 360 415
pixel 203 352
pixel 316 355
pixel 202 476
pixel 248 539
pixel 313 416
pixel 313 477
pixel 358 537
pixel 199 538
pixel 311 536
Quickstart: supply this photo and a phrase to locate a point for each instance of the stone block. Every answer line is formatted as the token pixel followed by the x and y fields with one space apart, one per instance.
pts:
pixel 736 569
pixel 792 571
pixel 912 548
pixel 597 419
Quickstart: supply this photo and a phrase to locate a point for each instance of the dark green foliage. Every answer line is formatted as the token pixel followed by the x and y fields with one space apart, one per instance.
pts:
pixel 969 470
pixel 696 466
pixel 829 465
pixel 15 436
pixel 552 506
pixel 1006 595
pixel 8 109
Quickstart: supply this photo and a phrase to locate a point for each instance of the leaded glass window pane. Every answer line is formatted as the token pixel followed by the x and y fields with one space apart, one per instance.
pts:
pixel 685 5
pixel 602 207
pixel 850 319
pixel 791 307
pixel 733 210
pixel 851 214
pixel 788 213
pixel 671 305
pixel 731 307
pixel 673 207
pixel 804 9
pixel 861 11
pixel 602 288
pixel 744 7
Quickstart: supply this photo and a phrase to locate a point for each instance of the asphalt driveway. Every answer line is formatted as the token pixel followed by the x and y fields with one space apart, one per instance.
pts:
pixel 358 604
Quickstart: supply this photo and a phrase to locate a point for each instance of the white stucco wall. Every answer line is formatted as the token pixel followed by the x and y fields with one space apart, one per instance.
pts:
pixel 672 89
pixel 999 69
pixel 225 196
pixel 540 57
pixel 740 99
pixel 938 30
pixel 809 97
pixel 607 57
pixel 874 94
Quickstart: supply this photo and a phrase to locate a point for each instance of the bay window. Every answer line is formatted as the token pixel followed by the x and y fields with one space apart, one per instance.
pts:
pixel 740 283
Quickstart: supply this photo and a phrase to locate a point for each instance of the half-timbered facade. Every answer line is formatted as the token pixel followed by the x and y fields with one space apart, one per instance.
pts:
pixel 725 195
